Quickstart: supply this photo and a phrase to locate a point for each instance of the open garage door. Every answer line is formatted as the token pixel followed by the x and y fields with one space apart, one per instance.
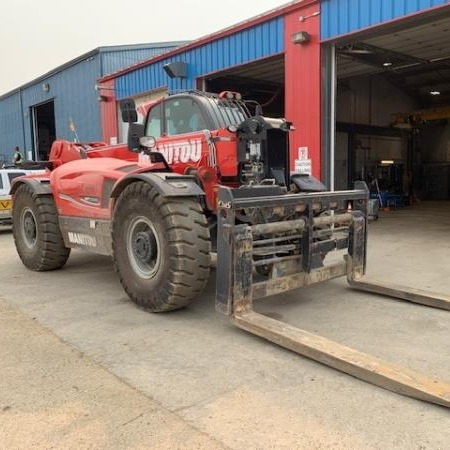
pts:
pixel 43 129
pixel 393 109
pixel 262 81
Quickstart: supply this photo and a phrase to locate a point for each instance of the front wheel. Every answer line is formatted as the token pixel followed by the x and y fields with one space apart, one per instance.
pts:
pixel 161 248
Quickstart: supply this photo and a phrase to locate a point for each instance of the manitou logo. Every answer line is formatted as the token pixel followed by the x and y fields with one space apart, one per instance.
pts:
pixel 178 152
pixel 82 239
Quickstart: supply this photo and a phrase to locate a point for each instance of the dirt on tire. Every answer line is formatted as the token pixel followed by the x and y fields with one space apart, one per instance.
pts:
pixel 36 231
pixel 161 248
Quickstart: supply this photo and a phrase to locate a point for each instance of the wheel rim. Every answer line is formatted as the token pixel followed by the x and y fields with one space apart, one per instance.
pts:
pixel 28 228
pixel 143 246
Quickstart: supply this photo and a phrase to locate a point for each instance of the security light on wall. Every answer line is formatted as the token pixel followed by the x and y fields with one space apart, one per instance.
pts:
pixel 302 37
pixel 177 69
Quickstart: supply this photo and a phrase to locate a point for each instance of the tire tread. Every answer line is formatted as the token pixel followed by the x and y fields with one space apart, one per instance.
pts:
pixel 188 247
pixel 51 252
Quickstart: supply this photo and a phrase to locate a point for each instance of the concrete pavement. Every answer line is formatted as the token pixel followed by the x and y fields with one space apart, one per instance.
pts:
pixel 55 397
pixel 242 392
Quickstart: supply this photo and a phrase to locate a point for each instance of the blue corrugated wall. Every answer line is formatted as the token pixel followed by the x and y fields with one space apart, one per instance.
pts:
pixel 73 93
pixel 253 43
pixel 10 133
pixel 340 17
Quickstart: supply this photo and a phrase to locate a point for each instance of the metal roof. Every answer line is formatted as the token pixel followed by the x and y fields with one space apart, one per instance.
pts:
pixel 275 12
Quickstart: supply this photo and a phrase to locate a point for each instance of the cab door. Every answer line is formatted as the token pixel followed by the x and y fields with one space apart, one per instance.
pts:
pixel 180 128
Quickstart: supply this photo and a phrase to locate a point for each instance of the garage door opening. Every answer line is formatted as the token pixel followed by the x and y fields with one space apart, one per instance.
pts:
pixel 393 110
pixel 262 81
pixel 43 129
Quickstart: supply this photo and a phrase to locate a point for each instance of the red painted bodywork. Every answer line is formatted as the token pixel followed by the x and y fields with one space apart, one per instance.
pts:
pixel 84 174
pixel 75 182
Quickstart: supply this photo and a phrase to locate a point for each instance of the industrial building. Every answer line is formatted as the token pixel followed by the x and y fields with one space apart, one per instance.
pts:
pixel 367 85
pixel 64 103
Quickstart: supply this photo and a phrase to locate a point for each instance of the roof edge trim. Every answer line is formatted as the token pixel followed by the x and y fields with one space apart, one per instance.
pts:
pixel 271 14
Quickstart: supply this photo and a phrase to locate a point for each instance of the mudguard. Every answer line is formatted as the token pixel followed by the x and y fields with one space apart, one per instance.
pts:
pixel 167 184
pixel 40 186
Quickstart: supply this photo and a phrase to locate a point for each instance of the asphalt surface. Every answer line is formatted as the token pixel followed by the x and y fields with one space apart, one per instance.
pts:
pixel 224 386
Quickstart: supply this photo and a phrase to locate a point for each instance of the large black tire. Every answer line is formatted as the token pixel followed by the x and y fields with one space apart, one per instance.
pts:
pixel 37 236
pixel 161 248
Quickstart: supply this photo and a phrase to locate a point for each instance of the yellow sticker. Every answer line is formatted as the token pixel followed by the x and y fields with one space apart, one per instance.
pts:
pixel 5 204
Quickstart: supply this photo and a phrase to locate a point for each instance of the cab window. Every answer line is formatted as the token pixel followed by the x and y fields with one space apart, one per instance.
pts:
pixel 153 127
pixel 183 115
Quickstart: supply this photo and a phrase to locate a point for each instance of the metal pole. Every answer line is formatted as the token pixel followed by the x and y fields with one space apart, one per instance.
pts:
pixel 332 114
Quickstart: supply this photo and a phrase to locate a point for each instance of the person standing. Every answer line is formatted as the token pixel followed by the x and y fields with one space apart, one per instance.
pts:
pixel 17 157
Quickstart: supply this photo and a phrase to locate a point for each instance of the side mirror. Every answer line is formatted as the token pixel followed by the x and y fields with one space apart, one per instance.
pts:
pixel 128 110
pixel 135 133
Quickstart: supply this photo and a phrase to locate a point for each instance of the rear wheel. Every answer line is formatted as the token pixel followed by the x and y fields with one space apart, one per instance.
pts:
pixel 161 248
pixel 37 236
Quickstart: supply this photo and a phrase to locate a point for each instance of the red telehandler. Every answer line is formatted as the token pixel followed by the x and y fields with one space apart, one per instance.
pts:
pixel 209 173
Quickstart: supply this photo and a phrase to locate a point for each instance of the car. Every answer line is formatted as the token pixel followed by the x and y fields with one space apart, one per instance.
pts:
pixel 6 177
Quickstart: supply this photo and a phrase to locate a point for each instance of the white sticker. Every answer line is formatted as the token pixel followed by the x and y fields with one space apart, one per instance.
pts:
pixel 82 239
pixel 303 153
pixel 178 152
pixel 303 166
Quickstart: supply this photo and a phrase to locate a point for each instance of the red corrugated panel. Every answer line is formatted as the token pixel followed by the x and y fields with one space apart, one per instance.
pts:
pixel 108 109
pixel 302 62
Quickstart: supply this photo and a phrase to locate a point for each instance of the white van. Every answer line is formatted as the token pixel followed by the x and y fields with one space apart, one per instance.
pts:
pixel 6 177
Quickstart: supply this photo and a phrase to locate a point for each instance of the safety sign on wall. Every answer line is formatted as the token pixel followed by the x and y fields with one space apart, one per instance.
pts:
pixel 303 164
